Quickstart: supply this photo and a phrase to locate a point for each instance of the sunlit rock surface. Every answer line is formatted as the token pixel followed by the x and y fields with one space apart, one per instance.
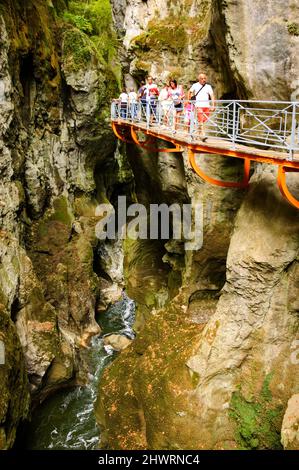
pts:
pixel 216 362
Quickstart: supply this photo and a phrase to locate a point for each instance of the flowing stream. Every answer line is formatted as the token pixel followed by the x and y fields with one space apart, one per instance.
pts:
pixel 66 420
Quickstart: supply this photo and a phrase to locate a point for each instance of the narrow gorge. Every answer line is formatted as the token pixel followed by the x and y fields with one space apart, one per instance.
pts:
pixel 191 349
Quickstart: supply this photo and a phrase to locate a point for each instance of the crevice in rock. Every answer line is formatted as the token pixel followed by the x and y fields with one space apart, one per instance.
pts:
pixel 15 307
pixel 27 82
pixel 219 32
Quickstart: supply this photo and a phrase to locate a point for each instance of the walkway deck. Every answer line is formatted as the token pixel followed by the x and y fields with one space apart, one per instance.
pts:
pixel 213 145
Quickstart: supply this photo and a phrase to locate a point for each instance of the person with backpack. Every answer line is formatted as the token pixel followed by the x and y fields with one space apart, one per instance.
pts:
pixel 201 93
pixel 142 99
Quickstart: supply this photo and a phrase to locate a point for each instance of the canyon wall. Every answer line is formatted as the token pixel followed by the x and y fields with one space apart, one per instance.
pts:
pixel 55 135
pixel 214 364
pixel 216 367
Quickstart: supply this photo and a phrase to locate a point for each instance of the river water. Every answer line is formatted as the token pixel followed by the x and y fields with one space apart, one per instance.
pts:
pixel 66 420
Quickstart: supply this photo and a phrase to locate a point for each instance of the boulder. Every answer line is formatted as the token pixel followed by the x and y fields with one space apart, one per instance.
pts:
pixel 290 425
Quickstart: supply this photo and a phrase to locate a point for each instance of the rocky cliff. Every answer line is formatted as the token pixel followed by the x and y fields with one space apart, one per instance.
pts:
pixel 217 351
pixel 55 86
pixel 247 49
pixel 218 362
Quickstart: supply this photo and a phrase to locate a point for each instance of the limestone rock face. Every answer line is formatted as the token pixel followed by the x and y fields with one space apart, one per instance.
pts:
pixel 219 369
pixel 262 47
pixel 248 340
pixel 14 395
pixel 290 425
pixel 217 362
pixel 231 41
pixel 54 137
pixel 169 40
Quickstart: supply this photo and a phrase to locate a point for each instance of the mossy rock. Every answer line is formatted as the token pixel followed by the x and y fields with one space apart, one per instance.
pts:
pixel 77 50
pixel 14 390
pixel 161 36
pixel 258 420
pixel 145 394
pixel 293 28
pixel 89 36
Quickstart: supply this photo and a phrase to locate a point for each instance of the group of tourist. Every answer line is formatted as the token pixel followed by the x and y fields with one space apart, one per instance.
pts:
pixel 171 102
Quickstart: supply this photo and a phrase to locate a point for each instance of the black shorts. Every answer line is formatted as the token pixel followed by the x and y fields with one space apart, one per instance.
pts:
pixel 178 107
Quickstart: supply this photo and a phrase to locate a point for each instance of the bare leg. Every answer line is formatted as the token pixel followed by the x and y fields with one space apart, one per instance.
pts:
pixel 201 125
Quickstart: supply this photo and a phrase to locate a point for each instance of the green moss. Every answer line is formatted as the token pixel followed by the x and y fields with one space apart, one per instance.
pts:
pixel 266 394
pixel 92 35
pixel 79 21
pixel 174 32
pixel 62 213
pixel 77 49
pixel 145 394
pixel 293 29
pixel 91 16
pixel 162 35
pixel 258 421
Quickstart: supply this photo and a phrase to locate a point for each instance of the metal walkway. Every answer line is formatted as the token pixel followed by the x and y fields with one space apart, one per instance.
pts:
pixel 266 132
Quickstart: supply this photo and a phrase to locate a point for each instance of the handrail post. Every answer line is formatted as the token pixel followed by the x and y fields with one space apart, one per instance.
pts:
pixel 148 114
pixel 292 143
pixel 192 114
pixel 234 124
pixel 159 111
pixel 138 111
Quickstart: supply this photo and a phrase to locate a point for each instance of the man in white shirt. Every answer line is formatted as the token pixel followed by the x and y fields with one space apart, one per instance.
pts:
pixel 204 94
pixel 151 92
pixel 133 98
pixel 124 101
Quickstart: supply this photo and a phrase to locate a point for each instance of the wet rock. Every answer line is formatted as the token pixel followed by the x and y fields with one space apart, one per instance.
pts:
pixel 110 293
pixel 117 342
